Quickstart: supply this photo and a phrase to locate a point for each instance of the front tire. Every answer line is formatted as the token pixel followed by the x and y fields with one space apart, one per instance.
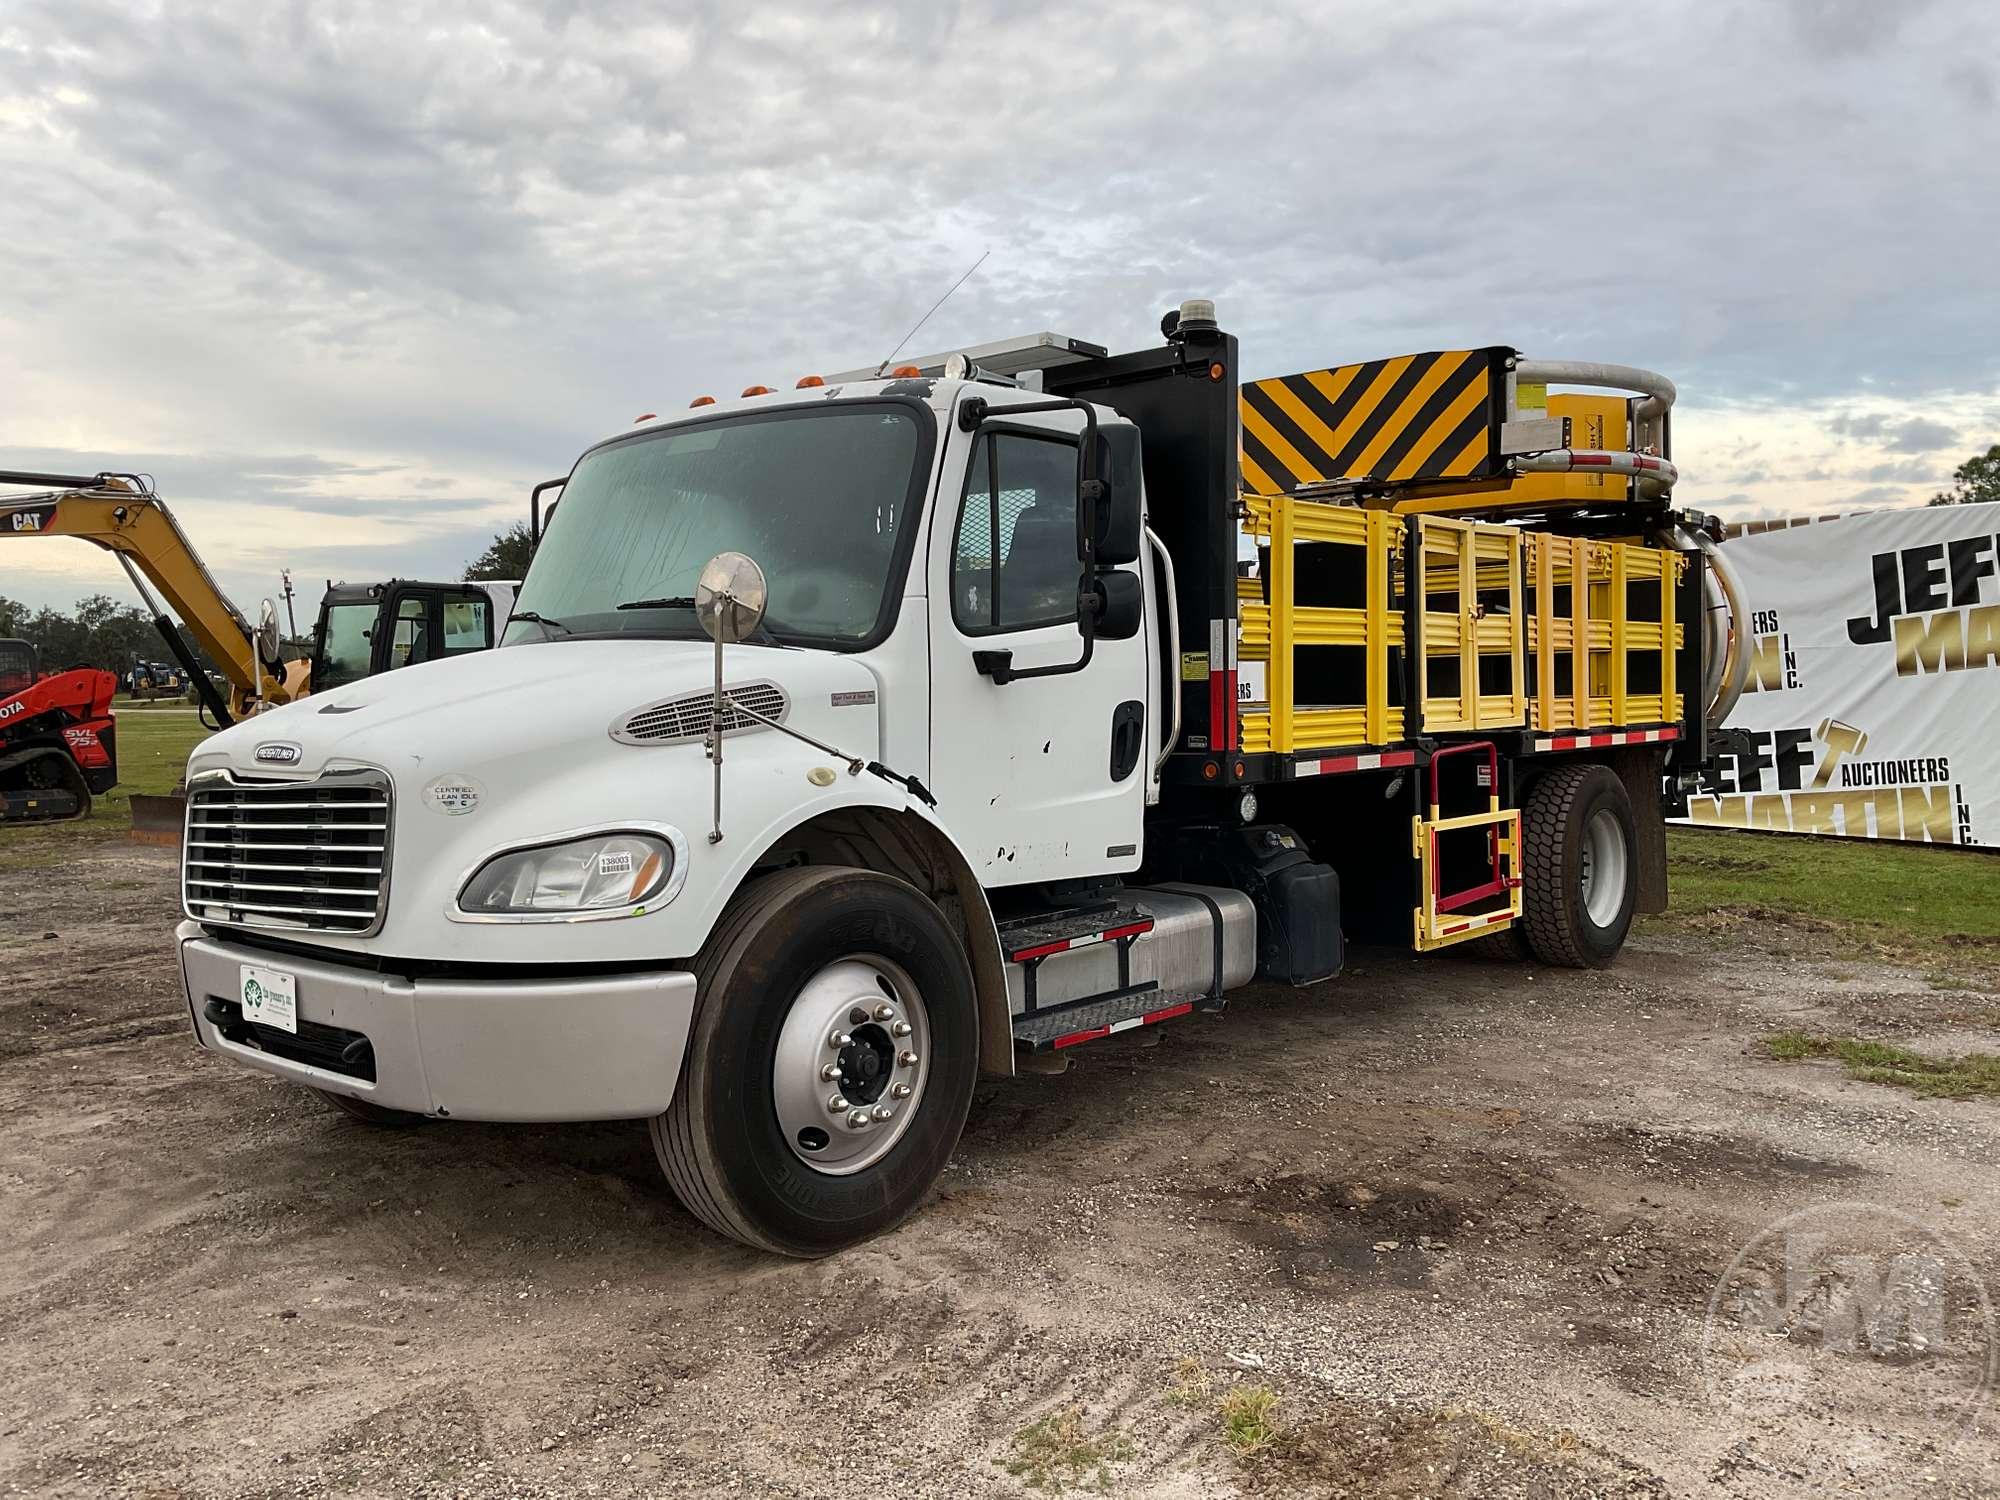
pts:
pixel 1581 877
pixel 800 976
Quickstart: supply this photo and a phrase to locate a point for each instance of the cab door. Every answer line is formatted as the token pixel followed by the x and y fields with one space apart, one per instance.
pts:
pixel 1039 778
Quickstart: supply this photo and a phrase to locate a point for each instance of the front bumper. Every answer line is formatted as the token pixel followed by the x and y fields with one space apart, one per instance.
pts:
pixel 602 1048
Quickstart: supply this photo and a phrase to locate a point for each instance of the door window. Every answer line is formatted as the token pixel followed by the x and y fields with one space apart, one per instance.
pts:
pixel 467 623
pixel 411 642
pixel 1013 561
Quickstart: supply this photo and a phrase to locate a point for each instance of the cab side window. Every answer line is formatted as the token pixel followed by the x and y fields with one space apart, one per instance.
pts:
pixel 1013 560
pixel 468 623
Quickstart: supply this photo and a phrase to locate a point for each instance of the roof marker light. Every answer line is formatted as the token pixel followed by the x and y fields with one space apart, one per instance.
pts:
pixel 651 416
pixel 756 390
pixel 907 372
pixel 702 401
pixel 808 382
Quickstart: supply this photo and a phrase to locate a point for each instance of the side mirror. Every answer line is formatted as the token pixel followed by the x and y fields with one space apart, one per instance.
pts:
pixel 1115 603
pixel 1115 516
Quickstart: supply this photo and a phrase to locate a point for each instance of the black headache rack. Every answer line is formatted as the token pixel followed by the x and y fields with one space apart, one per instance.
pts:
pixel 1182 397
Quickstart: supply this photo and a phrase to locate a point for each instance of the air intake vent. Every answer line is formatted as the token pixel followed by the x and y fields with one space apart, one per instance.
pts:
pixel 678 720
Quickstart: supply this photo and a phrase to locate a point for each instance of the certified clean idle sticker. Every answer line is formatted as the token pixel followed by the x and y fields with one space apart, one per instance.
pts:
pixel 454 796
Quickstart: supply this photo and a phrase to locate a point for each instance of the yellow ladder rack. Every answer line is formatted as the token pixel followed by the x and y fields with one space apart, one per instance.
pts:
pixel 1467 579
pixel 1596 661
pixel 1274 632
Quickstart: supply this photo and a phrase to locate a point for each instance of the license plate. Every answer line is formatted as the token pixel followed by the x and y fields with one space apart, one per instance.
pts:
pixel 269 997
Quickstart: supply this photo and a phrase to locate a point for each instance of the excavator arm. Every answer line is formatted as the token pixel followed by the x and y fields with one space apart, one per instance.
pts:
pixel 119 513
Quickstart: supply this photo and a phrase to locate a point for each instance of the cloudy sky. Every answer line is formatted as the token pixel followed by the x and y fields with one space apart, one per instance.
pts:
pixel 349 278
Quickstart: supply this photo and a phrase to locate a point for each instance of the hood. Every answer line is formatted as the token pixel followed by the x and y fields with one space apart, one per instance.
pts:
pixel 489 710
pixel 511 747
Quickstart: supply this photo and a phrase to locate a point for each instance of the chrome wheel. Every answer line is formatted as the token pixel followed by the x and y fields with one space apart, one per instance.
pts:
pixel 851 1063
pixel 1601 877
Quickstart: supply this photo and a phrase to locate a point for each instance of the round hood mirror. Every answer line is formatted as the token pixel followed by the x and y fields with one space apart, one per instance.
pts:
pixel 730 596
pixel 266 638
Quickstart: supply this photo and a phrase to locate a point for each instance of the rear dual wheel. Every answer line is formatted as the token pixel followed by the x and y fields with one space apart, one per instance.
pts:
pixel 830 1065
pixel 1580 874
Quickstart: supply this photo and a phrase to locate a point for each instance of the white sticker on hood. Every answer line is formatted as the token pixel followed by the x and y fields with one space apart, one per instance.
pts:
pixel 454 795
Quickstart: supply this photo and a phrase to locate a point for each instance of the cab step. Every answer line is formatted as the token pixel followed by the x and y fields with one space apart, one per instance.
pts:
pixel 1072 1025
pixel 1030 939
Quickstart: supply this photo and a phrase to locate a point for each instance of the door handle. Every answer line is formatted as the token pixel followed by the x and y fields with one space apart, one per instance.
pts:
pixel 1128 738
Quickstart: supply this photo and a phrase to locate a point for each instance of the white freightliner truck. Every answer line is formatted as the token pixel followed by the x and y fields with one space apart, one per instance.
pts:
pixel 1062 693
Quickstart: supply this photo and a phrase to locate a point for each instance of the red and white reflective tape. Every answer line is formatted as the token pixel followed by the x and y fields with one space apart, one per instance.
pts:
pixel 1380 761
pixel 1126 1025
pixel 1473 924
pixel 1222 684
pixel 1063 945
pixel 1613 737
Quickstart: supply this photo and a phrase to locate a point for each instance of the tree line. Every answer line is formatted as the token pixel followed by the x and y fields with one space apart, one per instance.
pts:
pixel 99 632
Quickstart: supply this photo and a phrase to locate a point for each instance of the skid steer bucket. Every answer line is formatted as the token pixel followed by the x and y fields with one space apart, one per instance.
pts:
pixel 158 820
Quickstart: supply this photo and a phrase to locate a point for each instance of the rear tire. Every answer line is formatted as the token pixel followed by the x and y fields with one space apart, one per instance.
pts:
pixel 370 1114
pixel 789 964
pixel 1580 872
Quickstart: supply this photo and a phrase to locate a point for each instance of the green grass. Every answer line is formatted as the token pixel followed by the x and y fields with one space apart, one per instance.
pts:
pixel 1056 1452
pixel 1902 898
pixel 153 747
pixel 1249 1419
pixel 1960 1077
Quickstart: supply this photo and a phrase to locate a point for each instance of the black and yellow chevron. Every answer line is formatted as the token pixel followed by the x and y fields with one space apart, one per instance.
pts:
pixel 1415 419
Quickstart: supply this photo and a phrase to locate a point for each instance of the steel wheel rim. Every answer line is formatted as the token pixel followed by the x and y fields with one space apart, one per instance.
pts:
pixel 874 1068
pixel 1601 880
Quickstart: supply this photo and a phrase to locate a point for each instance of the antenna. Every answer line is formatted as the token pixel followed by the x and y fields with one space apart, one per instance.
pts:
pixel 934 307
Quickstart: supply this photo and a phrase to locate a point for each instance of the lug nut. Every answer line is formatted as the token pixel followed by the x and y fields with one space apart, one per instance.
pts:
pixel 907 1060
pixel 900 1091
pixel 836 1104
pixel 883 1112
pixel 900 1029
pixel 838 1040
pixel 830 1073
pixel 884 1011
pixel 858 1120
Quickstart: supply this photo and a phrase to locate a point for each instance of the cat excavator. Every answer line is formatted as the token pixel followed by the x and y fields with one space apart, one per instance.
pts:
pixel 122 514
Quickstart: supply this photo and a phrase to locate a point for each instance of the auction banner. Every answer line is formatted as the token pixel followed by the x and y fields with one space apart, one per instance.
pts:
pixel 1873 700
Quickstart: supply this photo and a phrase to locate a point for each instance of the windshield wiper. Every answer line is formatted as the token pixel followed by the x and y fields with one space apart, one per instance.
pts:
pixel 682 603
pixel 542 620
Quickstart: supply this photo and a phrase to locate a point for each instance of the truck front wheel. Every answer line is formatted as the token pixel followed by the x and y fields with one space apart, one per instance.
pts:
pixel 830 1064
pixel 1581 880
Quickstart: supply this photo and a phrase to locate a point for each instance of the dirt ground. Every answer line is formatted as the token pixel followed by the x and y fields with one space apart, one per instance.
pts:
pixel 1465 1219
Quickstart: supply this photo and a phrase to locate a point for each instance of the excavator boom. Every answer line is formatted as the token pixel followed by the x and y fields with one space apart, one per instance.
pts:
pixel 121 514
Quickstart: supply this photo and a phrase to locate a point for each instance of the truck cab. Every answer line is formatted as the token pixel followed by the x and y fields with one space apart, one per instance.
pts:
pixel 848 742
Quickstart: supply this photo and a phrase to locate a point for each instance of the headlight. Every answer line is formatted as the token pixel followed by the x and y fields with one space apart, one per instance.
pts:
pixel 605 873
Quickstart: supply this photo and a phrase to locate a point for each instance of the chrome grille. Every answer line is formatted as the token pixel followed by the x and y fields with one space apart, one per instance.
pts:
pixel 687 717
pixel 300 854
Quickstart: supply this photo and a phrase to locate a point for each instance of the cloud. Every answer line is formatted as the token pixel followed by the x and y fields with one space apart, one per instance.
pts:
pixel 318 259
pixel 1921 436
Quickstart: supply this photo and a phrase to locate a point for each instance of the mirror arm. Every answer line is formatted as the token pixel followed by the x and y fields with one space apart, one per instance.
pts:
pixel 535 506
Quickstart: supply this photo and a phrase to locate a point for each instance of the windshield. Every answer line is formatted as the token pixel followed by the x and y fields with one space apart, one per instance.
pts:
pixel 344 655
pixel 820 497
